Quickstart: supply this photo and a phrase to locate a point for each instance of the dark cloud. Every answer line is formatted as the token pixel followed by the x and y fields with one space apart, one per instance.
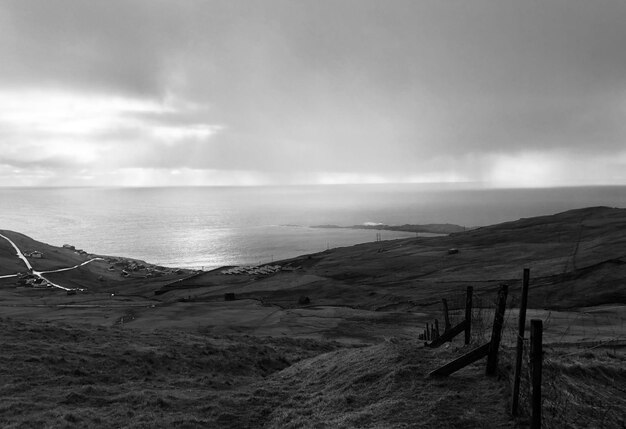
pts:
pixel 350 86
pixel 118 46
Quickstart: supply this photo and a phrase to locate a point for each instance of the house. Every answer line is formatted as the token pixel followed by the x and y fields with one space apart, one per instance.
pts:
pixel 38 282
pixel 69 246
pixel 36 254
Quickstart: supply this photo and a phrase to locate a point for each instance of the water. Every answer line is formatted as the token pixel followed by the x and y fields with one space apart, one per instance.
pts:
pixel 210 227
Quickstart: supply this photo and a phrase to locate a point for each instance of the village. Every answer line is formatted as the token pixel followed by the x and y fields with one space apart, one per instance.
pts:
pixel 258 270
pixel 132 268
pixel 38 276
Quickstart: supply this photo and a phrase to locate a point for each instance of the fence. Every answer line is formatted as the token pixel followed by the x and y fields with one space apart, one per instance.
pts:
pixel 490 349
pixel 582 358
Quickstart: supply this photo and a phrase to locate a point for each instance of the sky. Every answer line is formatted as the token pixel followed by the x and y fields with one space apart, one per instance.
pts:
pixel 499 93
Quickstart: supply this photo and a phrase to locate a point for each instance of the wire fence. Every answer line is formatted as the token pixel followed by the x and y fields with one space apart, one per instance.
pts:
pixel 585 388
pixel 582 328
pixel 584 369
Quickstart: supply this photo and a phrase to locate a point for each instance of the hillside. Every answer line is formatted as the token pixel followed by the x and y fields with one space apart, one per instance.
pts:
pixel 329 340
pixel 577 259
pixel 79 377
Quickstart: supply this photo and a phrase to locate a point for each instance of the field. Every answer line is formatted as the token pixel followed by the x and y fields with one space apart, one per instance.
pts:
pixel 331 340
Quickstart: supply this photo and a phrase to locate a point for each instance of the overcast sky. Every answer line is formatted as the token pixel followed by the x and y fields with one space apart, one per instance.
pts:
pixel 505 93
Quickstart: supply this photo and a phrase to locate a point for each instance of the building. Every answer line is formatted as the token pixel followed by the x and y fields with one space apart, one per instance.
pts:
pixel 34 254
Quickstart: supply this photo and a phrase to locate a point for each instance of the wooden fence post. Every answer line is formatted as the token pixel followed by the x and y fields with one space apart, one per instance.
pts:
pixel 496 332
pixel 468 314
pixel 536 358
pixel 520 344
pixel 448 335
pixel 446 315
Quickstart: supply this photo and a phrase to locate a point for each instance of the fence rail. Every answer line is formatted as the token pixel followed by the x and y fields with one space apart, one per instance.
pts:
pixel 571 376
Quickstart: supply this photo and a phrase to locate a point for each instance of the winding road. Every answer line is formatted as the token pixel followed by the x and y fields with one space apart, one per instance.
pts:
pixel 41 273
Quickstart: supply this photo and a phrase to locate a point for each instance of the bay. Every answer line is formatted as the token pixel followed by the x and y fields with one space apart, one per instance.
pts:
pixel 214 226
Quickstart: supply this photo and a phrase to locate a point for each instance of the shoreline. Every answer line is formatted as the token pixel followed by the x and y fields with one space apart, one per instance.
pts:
pixel 433 229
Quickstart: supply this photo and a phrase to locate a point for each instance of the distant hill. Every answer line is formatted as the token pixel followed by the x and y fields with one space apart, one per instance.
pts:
pixel 577 258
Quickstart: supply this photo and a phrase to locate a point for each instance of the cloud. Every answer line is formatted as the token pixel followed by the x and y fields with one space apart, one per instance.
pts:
pixel 62 130
pixel 116 45
pixel 322 92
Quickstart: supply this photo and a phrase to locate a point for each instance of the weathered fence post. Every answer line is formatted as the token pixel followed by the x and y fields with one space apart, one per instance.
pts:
pixel 446 315
pixel 496 333
pixel 536 358
pixel 468 314
pixel 436 329
pixel 520 344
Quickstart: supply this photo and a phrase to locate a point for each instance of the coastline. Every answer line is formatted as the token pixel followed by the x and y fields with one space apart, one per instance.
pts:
pixel 433 229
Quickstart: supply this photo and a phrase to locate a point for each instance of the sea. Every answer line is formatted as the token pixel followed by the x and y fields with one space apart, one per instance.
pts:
pixel 211 227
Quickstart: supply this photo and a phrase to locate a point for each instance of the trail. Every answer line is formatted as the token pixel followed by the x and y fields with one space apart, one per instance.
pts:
pixel 71 268
pixel 8 276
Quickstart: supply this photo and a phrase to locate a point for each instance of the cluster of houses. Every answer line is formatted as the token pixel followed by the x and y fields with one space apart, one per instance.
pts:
pixel 30 280
pixel 126 267
pixel 39 255
pixel 263 270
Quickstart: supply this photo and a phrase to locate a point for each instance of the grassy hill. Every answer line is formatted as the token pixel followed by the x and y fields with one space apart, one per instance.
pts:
pixel 577 259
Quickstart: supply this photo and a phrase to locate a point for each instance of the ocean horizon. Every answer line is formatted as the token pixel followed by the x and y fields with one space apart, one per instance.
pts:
pixel 209 227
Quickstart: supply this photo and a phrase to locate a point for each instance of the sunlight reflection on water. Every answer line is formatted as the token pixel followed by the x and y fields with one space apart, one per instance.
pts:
pixel 210 227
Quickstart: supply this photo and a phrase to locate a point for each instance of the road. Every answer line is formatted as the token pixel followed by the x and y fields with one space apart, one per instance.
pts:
pixel 41 273
pixel 19 252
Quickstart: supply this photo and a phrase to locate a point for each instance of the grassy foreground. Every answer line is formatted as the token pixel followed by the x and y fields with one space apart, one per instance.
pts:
pixel 55 375
pixel 62 376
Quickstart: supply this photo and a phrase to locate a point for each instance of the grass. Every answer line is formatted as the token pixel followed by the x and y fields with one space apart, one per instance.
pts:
pixel 56 375
pixel 581 387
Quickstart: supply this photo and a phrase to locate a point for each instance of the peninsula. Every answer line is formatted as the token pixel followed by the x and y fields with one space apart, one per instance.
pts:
pixel 431 228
